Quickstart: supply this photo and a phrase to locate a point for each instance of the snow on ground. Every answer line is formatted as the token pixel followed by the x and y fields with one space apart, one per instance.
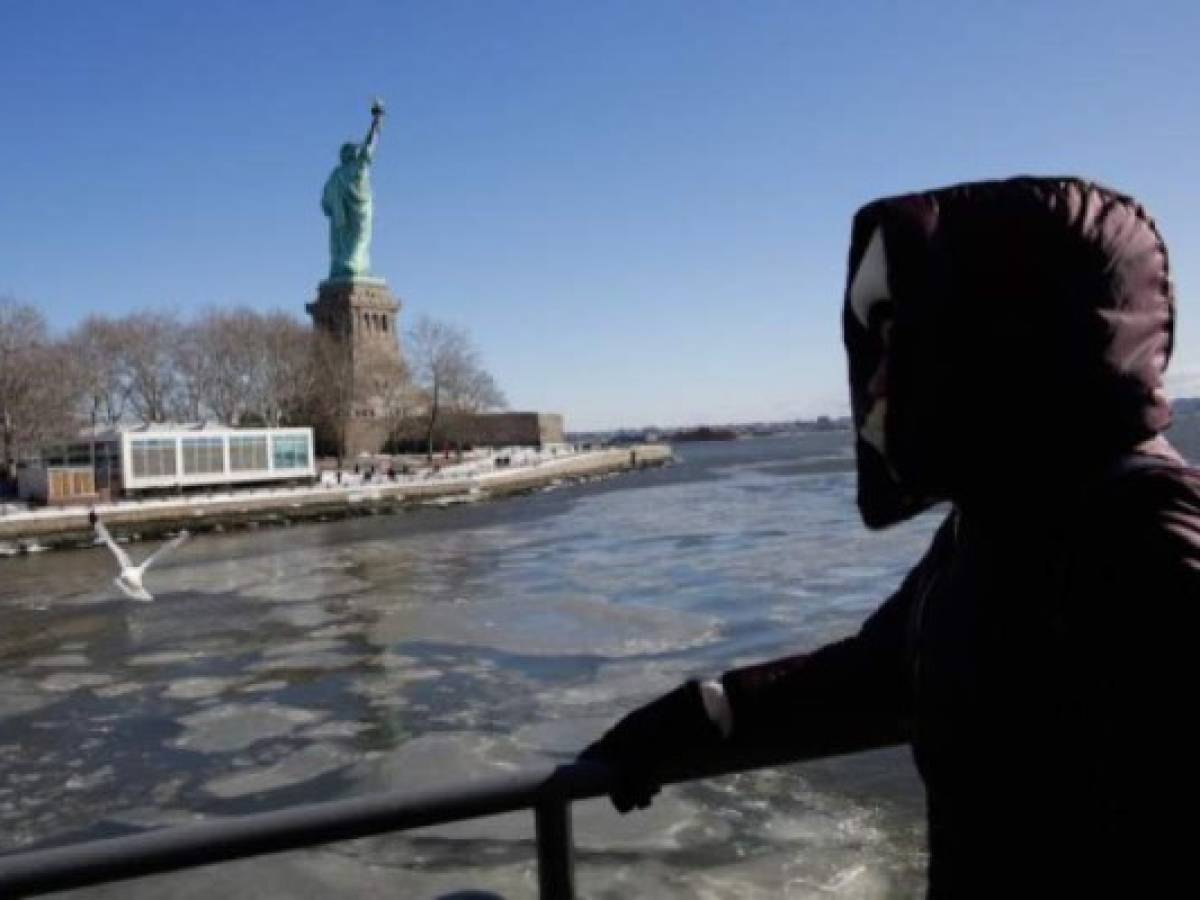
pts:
pixel 352 484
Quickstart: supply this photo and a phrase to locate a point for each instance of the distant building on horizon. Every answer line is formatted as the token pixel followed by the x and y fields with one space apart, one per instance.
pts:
pixel 469 430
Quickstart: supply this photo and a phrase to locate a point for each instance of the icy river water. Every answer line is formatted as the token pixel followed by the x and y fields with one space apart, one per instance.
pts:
pixel 287 665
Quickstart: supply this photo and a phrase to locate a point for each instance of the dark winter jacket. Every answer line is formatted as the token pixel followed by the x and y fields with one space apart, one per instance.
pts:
pixel 1037 657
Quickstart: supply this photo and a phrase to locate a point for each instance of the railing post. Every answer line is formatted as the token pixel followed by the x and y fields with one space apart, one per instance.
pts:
pixel 556 853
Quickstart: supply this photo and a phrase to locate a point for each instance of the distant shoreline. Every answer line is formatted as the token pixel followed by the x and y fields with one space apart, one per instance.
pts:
pixel 67 528
pixel 705 433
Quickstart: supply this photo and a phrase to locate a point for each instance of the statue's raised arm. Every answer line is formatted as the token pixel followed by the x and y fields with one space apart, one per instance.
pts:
pixel 348 203
pixel 372 139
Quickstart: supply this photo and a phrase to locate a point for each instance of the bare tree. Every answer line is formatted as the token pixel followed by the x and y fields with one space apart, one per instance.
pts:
pixel 480 393
pixel 331 400
pixel 446 366
pixel 222 359
pixel 390 391
pixel 237 366
pixel 149 348
pixel 191 360
pixel 22 334
pixel 39 383
pixel 291 371
pixel 96 345
pixel 58 387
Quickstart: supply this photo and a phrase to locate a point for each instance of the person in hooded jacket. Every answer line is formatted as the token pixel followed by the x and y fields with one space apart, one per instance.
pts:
pixel 1007 342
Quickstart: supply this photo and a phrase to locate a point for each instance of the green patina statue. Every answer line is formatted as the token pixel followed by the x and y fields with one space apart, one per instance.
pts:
pixel 347 201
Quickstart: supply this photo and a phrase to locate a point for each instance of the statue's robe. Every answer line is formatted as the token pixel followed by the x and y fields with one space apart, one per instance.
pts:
pixel 347 201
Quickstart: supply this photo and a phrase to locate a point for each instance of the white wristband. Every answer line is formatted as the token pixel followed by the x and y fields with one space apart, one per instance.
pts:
pixel 716 704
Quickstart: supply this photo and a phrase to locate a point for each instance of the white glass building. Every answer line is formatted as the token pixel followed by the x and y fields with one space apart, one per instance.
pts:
pixel 180 457
pixel 126 462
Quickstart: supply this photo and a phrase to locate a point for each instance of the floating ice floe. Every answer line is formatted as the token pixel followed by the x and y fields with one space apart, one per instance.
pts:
pixel 315 586
pixel 303 616
pixel 289 648
pixel 263 687
pixel 337 631
pixel 555 626
pixel 62 661
pixel 235 726
pixel 198 688
pixel 18 697
pixel 119 690
pixel 616 686
pixel 334 730
pixel 306 661
pixel 91 780
pixel 166 658
pixel 303 765
pixel 153 817
pixel 73 681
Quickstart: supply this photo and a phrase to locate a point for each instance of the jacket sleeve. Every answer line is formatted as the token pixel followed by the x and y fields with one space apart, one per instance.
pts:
pixel 854 694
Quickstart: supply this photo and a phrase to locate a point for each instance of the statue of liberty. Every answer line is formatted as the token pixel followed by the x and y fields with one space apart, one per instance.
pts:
pixel 347 201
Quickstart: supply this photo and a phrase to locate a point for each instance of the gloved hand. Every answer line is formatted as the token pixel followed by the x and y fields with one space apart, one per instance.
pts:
pixel 663 732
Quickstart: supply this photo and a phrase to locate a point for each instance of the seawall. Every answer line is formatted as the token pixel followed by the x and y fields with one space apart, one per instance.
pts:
pixel 69 527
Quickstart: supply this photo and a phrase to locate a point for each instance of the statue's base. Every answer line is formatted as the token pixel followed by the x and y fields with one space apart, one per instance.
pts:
pixel 350 280
pixel 363 315
pixel 349 307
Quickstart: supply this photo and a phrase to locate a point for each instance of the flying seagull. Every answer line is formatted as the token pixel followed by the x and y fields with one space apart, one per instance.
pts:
pixel 130 579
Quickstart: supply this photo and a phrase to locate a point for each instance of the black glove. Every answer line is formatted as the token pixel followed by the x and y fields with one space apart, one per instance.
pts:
pixel 665 732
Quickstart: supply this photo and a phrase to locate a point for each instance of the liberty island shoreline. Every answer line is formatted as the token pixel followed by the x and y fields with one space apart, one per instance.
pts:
pixel 69 527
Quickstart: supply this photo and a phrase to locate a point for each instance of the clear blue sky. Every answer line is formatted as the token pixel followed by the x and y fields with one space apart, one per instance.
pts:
pixel 639 209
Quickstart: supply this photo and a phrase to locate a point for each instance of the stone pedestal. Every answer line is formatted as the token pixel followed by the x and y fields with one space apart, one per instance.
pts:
pixel 363 315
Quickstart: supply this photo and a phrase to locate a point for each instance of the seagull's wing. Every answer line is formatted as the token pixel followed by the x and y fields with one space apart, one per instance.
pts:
pixel 169 545
pixel 118 552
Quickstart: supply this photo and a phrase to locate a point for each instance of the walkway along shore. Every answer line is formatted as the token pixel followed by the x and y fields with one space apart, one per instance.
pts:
pixel 68 527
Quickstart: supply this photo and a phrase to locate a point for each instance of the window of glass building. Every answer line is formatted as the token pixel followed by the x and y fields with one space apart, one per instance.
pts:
pixel 290 451
pixel 248 453
pixel 152 457
pixel 79 454
pixel 203 455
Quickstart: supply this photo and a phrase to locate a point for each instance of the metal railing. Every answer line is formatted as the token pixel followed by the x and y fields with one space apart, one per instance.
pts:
pixel 549 793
